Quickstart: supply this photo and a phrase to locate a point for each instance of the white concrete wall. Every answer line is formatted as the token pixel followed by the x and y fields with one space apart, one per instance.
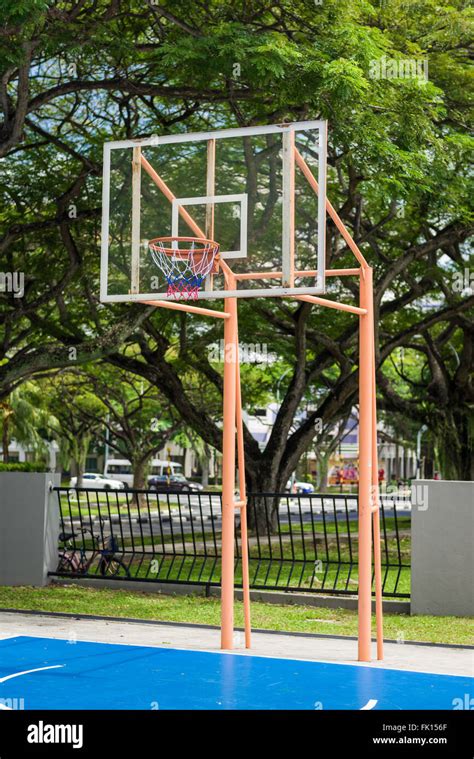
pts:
pixel 442 560
pixel 29 527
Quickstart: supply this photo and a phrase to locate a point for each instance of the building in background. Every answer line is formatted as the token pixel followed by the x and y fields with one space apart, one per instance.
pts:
pixel 396 461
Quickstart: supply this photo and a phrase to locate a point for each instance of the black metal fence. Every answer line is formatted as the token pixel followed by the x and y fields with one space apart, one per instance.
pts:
pixel 303 543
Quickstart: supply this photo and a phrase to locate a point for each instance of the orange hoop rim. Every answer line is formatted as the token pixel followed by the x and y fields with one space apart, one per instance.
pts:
pixel 182 252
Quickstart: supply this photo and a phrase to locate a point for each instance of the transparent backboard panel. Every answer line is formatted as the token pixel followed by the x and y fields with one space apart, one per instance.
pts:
pixel 241 195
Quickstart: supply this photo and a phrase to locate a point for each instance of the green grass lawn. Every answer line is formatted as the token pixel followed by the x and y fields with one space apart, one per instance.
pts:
pixel 268 573
pixel 196 609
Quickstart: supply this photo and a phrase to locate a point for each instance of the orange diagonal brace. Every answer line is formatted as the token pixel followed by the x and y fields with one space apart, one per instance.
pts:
pixel 331 210
pixel 171 196
pixel 330 304
pixel 184 307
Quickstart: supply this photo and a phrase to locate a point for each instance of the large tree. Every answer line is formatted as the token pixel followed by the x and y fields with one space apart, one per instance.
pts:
pixel 129 414
pixel 82 72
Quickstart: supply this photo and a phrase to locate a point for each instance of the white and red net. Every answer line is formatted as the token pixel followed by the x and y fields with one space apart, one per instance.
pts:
pixel 185 263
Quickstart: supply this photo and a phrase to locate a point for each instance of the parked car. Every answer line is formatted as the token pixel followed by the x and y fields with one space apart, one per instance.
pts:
pixel 302 488
pixel 196 486
pixel 97 481
pixel 175 483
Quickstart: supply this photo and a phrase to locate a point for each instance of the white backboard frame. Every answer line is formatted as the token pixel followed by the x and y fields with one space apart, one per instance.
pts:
pixel 288 132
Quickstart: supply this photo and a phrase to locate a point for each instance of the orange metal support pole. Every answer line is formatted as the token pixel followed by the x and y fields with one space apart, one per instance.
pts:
pixel 243 509
pixel 177 306
pixel 366 342
pixel 376 517
pixel 300 273
pixel 330 210
pixel 228 468
pixel 328 303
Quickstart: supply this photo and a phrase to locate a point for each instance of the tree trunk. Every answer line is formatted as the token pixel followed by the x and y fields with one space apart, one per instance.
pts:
pixel 140 482
pixel 204 464
pixel 454 444
pixel 205 473
pixel 80 468
pixel 262 514
pixel 262 510
pixel 139 474
pixel 80 447
pixel 323 471
pixel 5 436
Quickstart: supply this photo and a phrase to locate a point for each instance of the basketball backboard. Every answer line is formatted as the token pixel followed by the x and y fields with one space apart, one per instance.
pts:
pixel 240 187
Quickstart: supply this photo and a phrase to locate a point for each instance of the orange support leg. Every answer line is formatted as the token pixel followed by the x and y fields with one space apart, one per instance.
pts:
pixel 365 464
pixel 243 510
pixel 376 519
pixel 228 471
pixel 245 575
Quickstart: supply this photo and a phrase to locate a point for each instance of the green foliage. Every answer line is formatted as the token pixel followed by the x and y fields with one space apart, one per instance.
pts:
pixel 23 466
pixel 65 397
pixel 24 418
pixel 400 173
pixel 18 12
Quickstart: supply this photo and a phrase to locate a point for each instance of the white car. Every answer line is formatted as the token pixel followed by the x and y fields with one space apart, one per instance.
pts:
pixel 301 488
pixel 97 481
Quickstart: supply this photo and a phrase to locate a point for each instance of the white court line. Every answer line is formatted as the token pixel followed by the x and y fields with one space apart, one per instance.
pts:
pixel 243 652
pixel 371 703
pixel 19 674
pixel 28 671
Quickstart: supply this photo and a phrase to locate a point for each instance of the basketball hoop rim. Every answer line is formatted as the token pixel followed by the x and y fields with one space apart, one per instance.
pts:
pixel 202 241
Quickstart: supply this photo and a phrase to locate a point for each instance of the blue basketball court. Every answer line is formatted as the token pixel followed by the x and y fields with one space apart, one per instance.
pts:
pixel 50 673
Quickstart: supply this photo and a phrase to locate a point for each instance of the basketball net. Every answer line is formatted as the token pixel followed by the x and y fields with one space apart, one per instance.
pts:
pixel 185 263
